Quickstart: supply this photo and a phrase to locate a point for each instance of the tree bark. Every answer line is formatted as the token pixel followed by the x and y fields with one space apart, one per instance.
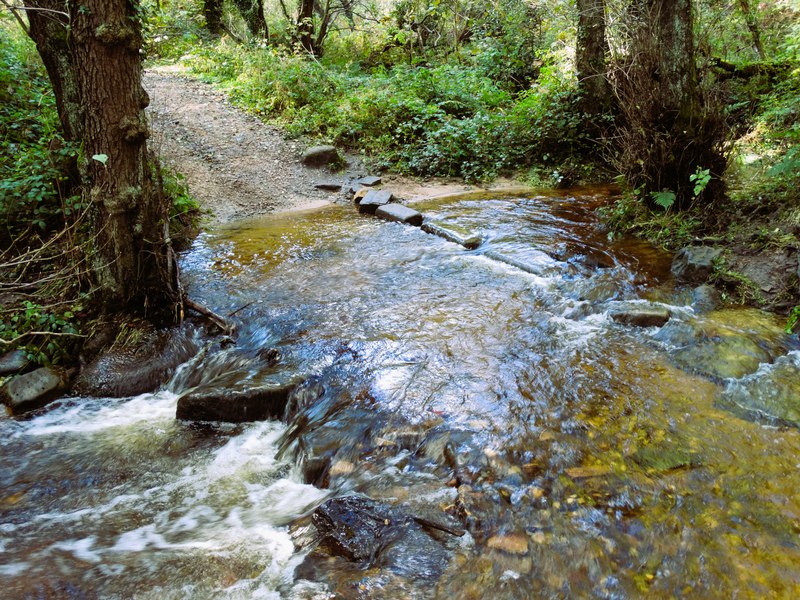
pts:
pixel 132 259
pixel 49 29
pixel 305 25
pixel 590 56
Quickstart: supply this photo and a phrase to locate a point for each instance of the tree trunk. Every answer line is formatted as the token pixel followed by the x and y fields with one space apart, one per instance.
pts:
pixel 755 31
pixel 132 259
pixel 670 130
pixel 212 10
pixel 590 56
pixel 305 25
pixel 49 29
pixel 252 12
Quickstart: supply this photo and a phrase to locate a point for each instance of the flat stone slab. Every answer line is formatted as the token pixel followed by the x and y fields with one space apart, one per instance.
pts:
pixel 373 199
pixel 236 406
pixel 398 212
pixel 33 390
pixel 13 362
pixel 650 316
pixel 329 186
pixel 370 180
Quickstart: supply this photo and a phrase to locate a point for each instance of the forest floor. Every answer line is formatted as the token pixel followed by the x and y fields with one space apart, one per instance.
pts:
pixel 237 166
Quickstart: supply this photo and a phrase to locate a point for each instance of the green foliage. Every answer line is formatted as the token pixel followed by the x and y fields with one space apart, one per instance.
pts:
pixel 665 199
pixel 447 119
pixel 794 318
pixel 700 178
pixel 48 336
pixel 33 157
pixel 172 28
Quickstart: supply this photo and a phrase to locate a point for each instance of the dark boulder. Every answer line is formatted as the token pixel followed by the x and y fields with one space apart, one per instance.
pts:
pixel 321 156
pixel 694 264
pixel 136 368
pixel 236 405
pixel 33 390
pixel 379 535
pixel 13 362
pixel 400 213
pixel 373 199
pixel 641 316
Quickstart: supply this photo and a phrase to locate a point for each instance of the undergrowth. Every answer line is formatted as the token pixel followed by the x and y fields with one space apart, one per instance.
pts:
pixel 430 119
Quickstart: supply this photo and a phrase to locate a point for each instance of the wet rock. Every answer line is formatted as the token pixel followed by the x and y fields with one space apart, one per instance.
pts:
pixel 705 298
pixel 370 180
pixel 729 356
pixel 679 334
pixel 516 543
pixel 329 186
pixel 378 535
pixel 13 362
pixel 358 195
pixel 772 393
pixel 236 406
pixel 321 156
pixel 136 368
pixel 666 456
pixel 470 242
pixel 641 316
pixel 33 390
pixel 693 264
pixel 398 212
pixel 373 199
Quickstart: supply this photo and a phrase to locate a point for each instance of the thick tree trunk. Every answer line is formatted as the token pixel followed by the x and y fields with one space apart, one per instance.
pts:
pixel 132 259
pixel 669 129
pixel 212 11
pixel 49 29
pixel 590 55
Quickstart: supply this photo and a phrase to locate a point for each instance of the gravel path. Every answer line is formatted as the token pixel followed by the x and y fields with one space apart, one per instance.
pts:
pixel 236 165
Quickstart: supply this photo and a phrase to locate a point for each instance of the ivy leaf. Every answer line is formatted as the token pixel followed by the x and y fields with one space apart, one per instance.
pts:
pixel 101 158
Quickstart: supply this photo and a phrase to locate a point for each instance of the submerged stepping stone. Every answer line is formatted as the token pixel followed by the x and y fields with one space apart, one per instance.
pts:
pixel 373 199
pixel 398 212
pixel 470 243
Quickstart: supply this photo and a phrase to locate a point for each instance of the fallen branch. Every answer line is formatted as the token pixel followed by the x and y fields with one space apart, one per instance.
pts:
pixel 223 324
pixel 43 333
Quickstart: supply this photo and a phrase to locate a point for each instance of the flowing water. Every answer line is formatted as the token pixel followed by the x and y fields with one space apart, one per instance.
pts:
pixel 487 389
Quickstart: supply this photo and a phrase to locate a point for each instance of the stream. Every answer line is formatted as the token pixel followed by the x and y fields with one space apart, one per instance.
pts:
pixel 583 457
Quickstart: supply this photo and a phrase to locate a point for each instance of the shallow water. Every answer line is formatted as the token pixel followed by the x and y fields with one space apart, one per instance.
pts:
pixel 583 458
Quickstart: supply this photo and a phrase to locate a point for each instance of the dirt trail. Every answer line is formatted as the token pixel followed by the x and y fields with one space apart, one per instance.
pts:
pixel 237 166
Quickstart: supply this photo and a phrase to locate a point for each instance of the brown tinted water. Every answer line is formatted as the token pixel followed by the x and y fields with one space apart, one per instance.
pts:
pixel 583 458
